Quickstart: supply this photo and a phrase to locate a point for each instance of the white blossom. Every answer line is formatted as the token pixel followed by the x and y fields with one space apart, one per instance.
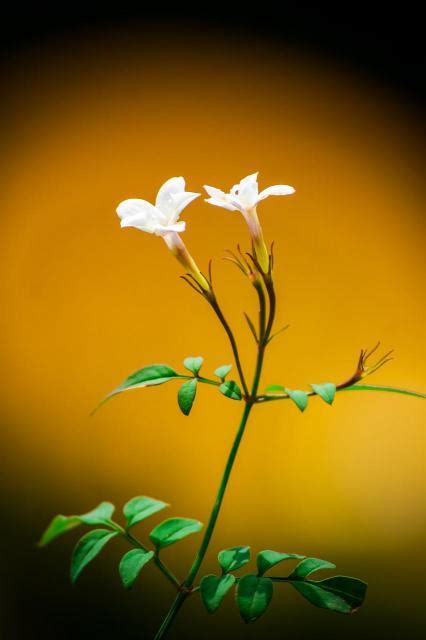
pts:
pixel 163 217
pixel 245 196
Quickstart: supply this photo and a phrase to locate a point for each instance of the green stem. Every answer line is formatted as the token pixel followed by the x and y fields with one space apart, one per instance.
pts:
pixel 218 311
pixel 187 586
pixel 160 564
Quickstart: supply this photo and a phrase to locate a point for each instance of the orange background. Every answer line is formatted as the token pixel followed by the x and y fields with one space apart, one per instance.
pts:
pixel 86 303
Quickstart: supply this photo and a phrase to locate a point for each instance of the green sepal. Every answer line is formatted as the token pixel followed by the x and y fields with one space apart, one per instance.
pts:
pixel 230 389
pixel 300 398
pixel 267 559
pixel 57 527
pixel 172 530
pixel 222 371
pixel 131 564
pixel 326 391
pixel 186 396
pixel 254 594
pixel 233 558
pixel 193 364
pixel 340 593
pixel 87 549
pixel 141 507
pixel 214 588
pixel 308 566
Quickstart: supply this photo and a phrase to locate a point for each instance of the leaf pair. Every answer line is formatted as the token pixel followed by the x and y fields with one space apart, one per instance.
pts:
pixel 214 588
pixel 326 391
pixel 135 510
pixel 254 592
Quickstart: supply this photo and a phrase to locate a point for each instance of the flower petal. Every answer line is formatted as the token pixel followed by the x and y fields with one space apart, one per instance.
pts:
pixel 222 203
pixel 170 188
pixel 214 193
pixel 248 193
pixel 178 227
pixel 252 178
pixel 180 201
pixel 276 190
pixel 137 223
pixel 137 207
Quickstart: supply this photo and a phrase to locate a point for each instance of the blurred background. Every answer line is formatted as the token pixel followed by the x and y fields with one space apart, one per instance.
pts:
pixel 97 109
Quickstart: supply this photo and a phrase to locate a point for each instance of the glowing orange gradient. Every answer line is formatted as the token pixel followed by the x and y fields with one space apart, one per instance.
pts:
pixel 86 303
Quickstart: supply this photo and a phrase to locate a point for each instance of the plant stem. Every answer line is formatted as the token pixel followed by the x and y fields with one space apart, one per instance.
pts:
pixel 160 564
pixel 186 588
pixel 218 311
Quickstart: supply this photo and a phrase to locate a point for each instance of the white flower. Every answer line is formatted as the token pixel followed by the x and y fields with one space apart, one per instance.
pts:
pixel 245 196
pixel 162 218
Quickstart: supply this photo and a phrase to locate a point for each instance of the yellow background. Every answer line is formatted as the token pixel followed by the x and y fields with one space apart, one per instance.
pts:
pixel 86 303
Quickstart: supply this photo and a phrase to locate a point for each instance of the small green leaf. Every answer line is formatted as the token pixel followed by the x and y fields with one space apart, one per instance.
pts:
pixel 234 558
pixel 193 364
pixel 230 389
pixel 88 548
pixel 214 589
pixel 222 371
pixel 371 387
pixel 268 559
pixel 141 507
pixel 275 388
pixel 131 564
pixel 172 530
pixel 253 596
pixel 300 398
pixel 186 396
pixel 341 593
pixel 59 525
pixel 101 514
pixel 308 566
pixel 149 376
pixel 326 391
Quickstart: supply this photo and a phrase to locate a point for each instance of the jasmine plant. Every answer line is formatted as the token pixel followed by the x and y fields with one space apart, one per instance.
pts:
pixel 254 587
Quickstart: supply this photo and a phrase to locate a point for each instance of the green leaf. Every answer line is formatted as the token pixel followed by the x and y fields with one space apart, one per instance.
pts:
pixel 371 387
pixel 172 530
pixel 193 364
pixel 308 566
pixel 326 391
pixel 230 389
pixel 58 526
pixel 222 371
pixel 61 524
pixel 341 593
pixel 131 564
pixel 300 398
pixel 101 514
pixel 233 558
pixel 267 559
pixel 149 376
pixel 275 388
pixel 186 396
pixel 141 507
pixel 214 589
pixel 88 548
pixel 253 596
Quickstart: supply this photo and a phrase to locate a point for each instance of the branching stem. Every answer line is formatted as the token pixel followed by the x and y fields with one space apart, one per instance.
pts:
pixel 265 327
